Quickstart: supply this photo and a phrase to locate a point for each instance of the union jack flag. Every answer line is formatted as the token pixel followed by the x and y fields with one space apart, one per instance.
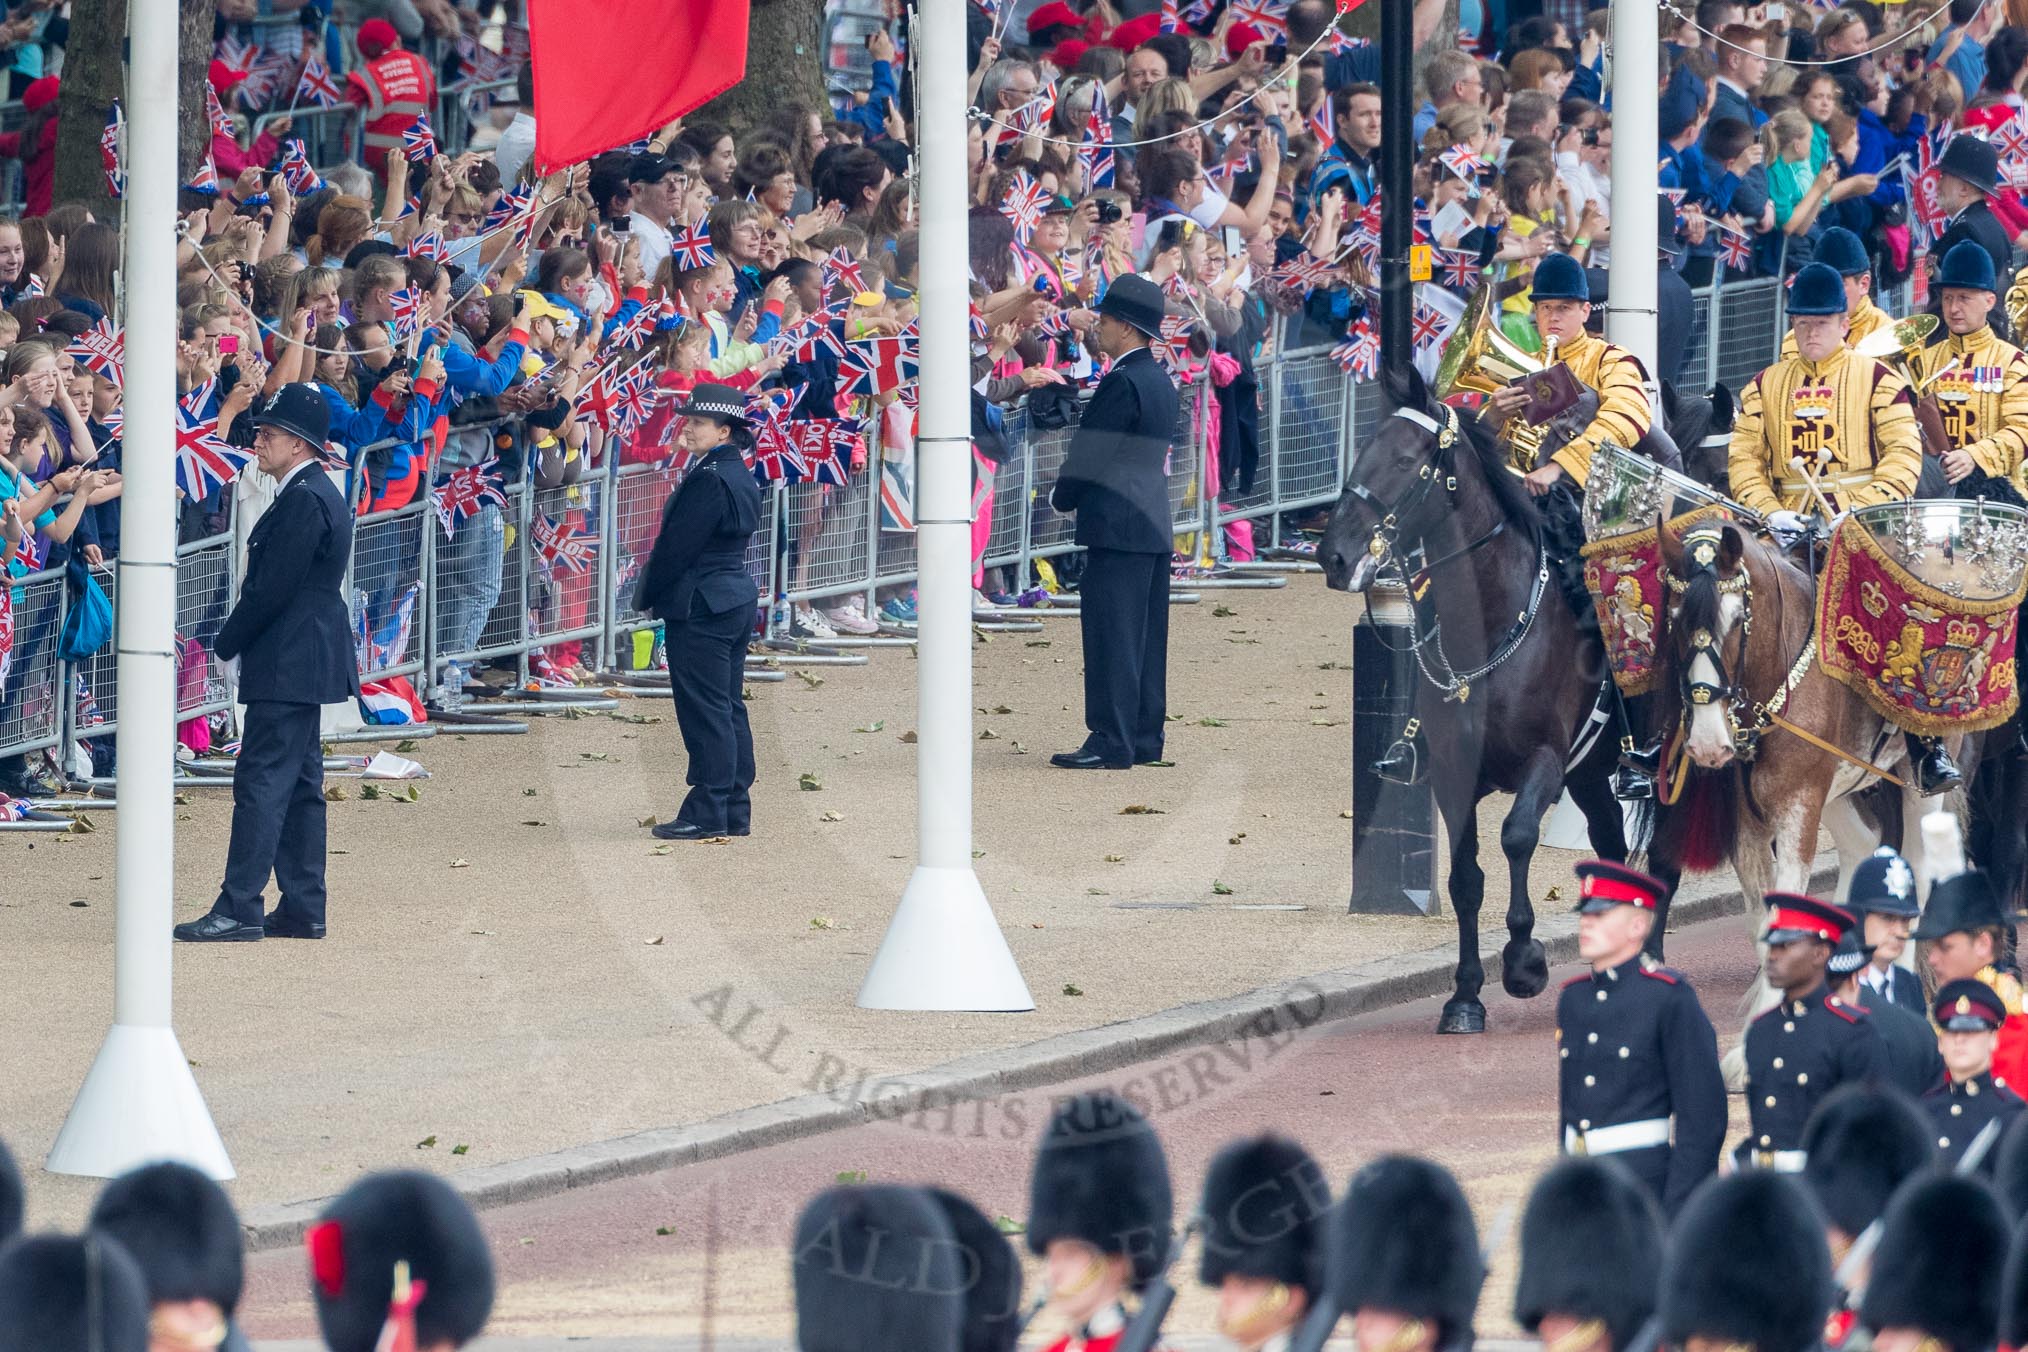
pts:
pixel 690 247
pixel 109 153
pixel 407 305
pixel 1324 123
pixel 103 348
pixel 258 89
pixel 630 332
pixel 214 112
pixel 803 339
pixel 1736 249
pixel 429 244
pixel 30 555
pixel 464 491
pixel 777 455
pixel 1095 144
pixel 1463 161
pixel 205 181
pixel 418 142
pixel 619 400
pixel 1023 204
pixel 1170 21
pixel 1359 355
pixel 1428 326
pixel 1304 272
pixel 480 65
pixel 1460 269
pixel 841 269
pixel 876 365
pixel 316 85
pixel 1266 15
pixel 234 54
pixel 204 462
pixel 296 171
pixel 827 446
pixel 556 546
pixel 1172 348
pixel 1198 11
pixel 512 201
pixel 33 288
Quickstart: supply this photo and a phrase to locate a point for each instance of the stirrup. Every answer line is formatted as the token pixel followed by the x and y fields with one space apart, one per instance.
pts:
pixel 1402 763
pixel 1633 786
pixel 1935 772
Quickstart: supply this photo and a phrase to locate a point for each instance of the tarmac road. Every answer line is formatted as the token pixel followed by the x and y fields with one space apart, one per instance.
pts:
pixel 697 1256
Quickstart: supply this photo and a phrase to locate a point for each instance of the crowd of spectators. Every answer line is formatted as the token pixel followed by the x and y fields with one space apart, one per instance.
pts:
pixel 1229 150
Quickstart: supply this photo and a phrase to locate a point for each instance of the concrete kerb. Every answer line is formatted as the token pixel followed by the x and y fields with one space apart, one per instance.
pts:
pixel 1282 1009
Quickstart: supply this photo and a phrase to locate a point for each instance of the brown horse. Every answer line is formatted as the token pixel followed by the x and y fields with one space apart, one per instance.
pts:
pixel 1429 497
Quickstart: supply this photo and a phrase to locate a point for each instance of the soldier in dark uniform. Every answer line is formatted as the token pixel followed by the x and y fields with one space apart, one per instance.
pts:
pixel 1404 1258
pixel 64 1293
pixel 1937 1274
pixel 1864 1142
pixel 1912 1064
pixel 1591 1258
pixel 1809 1043
pixel 1746 1268
pixel 1100 1211
pixel 399 1254
pixel 696 582
pixel 877 1269
pixel 183 1233
pixel 1968 1014
pixel 991 1276
pixel 1883 897
pixel 1265 1200
pixel 1115 478
pixel 1634 1047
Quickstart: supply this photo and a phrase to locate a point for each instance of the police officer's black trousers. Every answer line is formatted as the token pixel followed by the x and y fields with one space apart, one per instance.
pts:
pixel 707 664
pixel 277 815
pixel 1124 600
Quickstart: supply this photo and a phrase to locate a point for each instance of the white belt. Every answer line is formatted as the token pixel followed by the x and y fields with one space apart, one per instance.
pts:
pixel 1612 1140
pixel 1781 1161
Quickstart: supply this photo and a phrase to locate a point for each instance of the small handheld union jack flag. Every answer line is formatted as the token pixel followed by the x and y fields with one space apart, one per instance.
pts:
pixel 296 171
pixel 317 85
pixel 1359 355
pixel 1736 249
pixel 1460 269
pixel 418 142
pixel 1095 145
pixel 1266 15
pixel 1428 326
pixel 214 111
pixel 1463 161
pixel 690 247
pixel 407 305
pixel 1305 272
pixel 205 180
pixel 555 546
pixel 464 491
pixel 1323 123
pixel 205 463
pixel 429 244
pixel 1023 204
pixel 103 348
pixel 842 269
pixel 1169 21
pixel 1172 348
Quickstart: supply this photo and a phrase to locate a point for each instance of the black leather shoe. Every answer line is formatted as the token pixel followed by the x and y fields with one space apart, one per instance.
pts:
pixel 217 929
pixel 1935 771
pixel 682 830
pixel 280 926
pixel 1086 760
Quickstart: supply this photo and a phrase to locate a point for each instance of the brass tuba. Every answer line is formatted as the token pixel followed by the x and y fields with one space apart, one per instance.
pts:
pixel 1478 357
pixel 2016 303
pixel 1898 343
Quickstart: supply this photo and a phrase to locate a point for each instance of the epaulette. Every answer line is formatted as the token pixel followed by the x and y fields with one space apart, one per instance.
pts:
pixel 1849 1013
pixel 1649 967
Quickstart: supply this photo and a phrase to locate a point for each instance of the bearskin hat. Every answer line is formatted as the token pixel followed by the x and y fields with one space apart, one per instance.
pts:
pixel 1591 1248
pixel 877 1266
pixel 386 1218
pixel 1101 1177
pixel 1747 1263
pixel 1863 1141
pixel 47 1283
pixel 1265 1203
pixel 181 1228
pixel 1943 1247
pixel 1402 1239
pixel 991 1273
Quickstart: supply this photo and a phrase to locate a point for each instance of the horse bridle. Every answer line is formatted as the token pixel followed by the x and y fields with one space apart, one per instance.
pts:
pixel 1387 515
pixel 1750 721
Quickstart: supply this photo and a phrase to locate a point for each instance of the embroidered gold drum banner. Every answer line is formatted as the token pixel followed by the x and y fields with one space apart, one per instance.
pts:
pixel 1624 575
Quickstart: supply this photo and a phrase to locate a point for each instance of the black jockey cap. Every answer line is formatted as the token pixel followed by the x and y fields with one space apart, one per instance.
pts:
pixel 1862 1142
pixel 1958 904
pixel 1264 1208
pixel 1403 1240
pixel 403 1217
pixel 71 1293
pixel 1883 884
pixel 876 1265
pixel 1559 277
pixel 1817 290
pixel 1101 1177
pixel 1942 1254
pixel 1747 1264
pixel 990 1273
pixel 1603 884
pixel 1793 916
pixel 1843 252
pixel 1591 1249
pixel 181 1228
pixel 1968 1006
pixel 1968 267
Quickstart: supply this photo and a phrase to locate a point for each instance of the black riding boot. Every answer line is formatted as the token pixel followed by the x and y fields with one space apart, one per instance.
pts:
pixel 1935 771
pixel 1640 764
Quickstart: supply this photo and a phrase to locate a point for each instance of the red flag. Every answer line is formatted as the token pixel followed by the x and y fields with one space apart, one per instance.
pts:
pixel 680 55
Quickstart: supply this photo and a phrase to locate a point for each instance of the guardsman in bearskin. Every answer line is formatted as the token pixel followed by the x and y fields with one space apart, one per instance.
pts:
pixel 1591 1258
pixel 1100 1212
pixel 1264 1207
pixel 1964 931
pixel 1968 1017
pixel 1882 895
pixel 1634 1048
pixel 1809 1043
pixel 1746 1267
pixel 1912 1064
pixel 876 1268
pixel 1980 382
pixel 991 1273
pixel 399 1254
pixel 1848 418
pixel 1841 250
pixel 1404 1258
pixel 65 1293
pixel 1937 1274
pixel 180 1228
pixel 1864 1142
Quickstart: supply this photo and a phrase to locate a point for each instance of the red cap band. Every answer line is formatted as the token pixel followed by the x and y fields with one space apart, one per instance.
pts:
pixel 1786 919
pixel 1598 888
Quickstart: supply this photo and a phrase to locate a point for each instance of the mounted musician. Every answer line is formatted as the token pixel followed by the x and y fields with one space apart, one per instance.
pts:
pixel 1980 381
pixel 1842 251
pixel 1825 431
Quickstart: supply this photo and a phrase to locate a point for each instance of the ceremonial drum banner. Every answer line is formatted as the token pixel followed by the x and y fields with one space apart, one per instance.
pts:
pixel 1624 575
pixel 1927 661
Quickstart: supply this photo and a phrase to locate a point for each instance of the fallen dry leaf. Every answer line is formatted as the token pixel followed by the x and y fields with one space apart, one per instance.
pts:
pixel 831 817
pixel 461 863
pixel 1140 810
pixel 654 942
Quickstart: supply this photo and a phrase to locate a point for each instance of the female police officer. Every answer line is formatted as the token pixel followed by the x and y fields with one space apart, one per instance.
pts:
pixel 697 584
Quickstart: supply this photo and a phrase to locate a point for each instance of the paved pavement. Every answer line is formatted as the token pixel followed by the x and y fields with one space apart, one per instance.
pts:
pixel 696 1255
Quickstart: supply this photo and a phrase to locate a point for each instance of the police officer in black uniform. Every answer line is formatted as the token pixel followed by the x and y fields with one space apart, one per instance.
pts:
pixel 1968 1014
pixel 292 636
pixel 1115 478
pixel 1883 897
pixel 1912 1064
pixel 1634 1047
pixel 696 582
pixel 1809 1043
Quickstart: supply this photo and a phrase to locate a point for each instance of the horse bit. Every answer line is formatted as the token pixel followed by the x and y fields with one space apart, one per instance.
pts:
pixel 1750 721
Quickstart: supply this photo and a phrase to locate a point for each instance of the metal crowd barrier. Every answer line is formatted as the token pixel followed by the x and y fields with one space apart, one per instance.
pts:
pixel 32 696
pixel 331 136
pixel 459 108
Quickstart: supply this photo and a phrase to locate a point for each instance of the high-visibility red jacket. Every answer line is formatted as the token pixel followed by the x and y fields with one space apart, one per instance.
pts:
pixel 395 88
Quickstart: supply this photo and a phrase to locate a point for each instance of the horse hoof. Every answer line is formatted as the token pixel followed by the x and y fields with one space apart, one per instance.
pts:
pixel 1524 969
pixel 1467 1016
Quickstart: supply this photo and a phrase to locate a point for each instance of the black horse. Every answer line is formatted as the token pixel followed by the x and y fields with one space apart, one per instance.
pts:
pixel 1514 676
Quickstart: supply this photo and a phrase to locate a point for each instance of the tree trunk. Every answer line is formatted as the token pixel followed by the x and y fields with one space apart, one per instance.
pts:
pixel 784 63
pixel 95 73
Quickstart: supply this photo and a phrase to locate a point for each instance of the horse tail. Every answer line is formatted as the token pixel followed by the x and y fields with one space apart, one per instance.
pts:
pixel 1700 828
pixel 1641 819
